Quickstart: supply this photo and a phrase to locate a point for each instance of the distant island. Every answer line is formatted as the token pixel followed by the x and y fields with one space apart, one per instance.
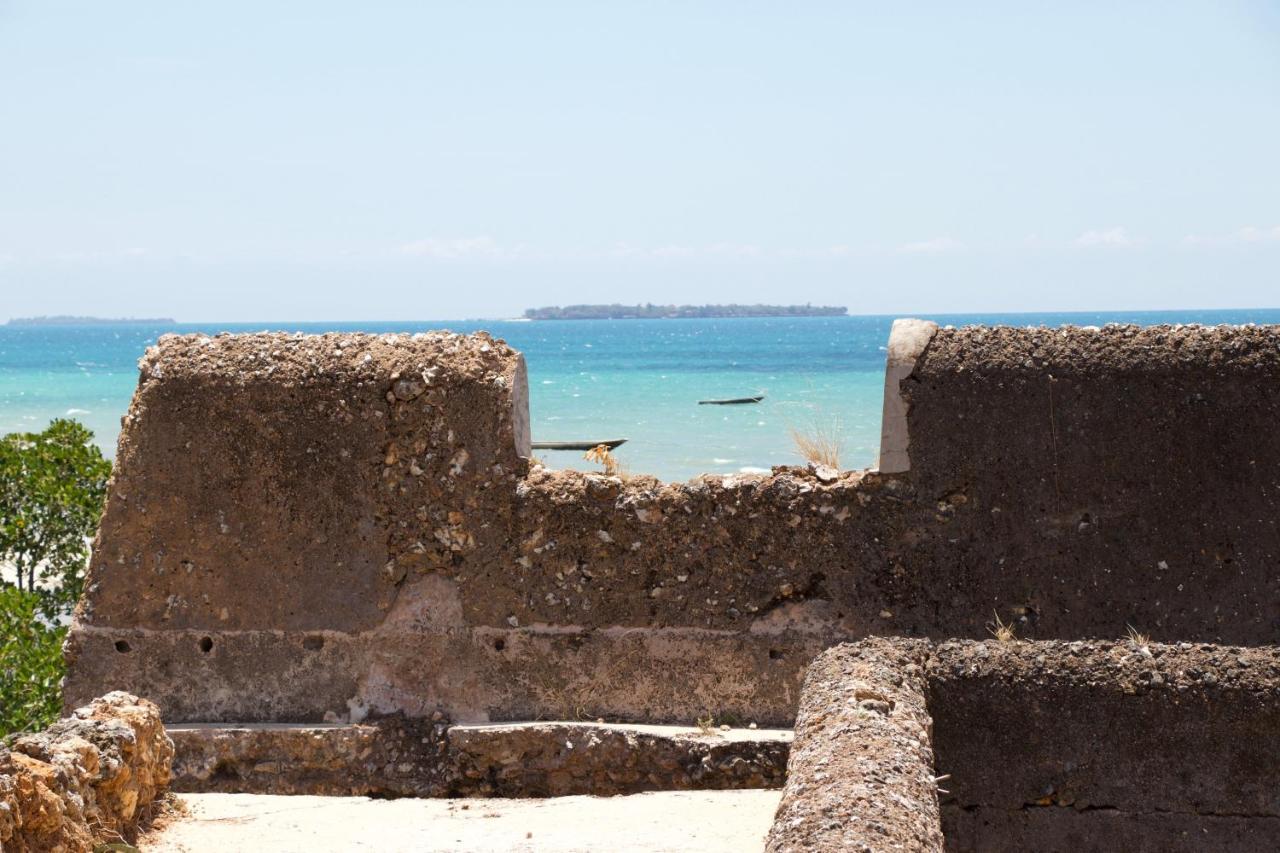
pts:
pixel 63 320
pixel 665 312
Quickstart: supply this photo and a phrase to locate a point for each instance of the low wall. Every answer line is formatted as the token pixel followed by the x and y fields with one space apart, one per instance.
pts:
pixel 401 757
pixel 303 528
pixel 860 775
pixel 89 779
pixel 1037 745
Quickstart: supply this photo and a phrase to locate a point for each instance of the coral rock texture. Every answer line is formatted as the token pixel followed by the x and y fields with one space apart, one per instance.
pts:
pixel 89 779
pixel 861 771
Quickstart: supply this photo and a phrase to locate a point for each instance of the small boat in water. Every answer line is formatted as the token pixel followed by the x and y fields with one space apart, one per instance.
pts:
pixel 577 445
pixel 734 401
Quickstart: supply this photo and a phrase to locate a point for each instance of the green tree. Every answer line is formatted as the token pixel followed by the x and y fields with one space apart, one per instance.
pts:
pixel 52 486
pixel 31 666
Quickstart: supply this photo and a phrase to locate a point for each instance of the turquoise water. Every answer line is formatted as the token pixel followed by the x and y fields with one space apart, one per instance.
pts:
pixel 588 379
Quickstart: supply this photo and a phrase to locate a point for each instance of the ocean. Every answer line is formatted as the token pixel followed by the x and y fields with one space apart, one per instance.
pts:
pixel 588 379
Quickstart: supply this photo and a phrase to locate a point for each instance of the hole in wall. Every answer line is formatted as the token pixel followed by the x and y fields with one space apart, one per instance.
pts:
pixel 122 646
pixel 314 643
pixel 225 769
pixel 206 644
pixel 499 644
pixel 776 654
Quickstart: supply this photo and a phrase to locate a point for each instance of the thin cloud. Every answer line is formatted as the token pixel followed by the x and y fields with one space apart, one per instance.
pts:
pixel 714 250
pixel 1112 238
pixel 932 247
pixel 736 250
pixel 453 248
pixel 1248 235
pixel 1254 234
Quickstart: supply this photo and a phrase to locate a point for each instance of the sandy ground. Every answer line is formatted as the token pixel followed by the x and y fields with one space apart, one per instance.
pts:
pixel 704 821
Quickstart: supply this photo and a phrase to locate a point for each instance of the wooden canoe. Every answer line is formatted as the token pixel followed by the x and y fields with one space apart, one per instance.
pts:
pixel 734 401
pixel 576 445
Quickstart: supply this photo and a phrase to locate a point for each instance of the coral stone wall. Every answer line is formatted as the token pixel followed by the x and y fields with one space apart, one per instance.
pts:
pixel 304 528
pixel 860 775
pixel 1088 745
pixel 1048 746
pixel 1092 475
pixel 89 779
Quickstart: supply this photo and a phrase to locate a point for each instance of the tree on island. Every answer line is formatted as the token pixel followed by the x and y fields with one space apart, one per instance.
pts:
pixel 649 311
pixel 66 320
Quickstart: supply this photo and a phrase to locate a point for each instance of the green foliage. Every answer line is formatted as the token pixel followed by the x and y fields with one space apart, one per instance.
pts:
pixel 52 486
pixel 31 665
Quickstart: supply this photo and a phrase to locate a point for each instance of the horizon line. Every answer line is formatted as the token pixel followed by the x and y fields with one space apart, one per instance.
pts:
pixel 508 319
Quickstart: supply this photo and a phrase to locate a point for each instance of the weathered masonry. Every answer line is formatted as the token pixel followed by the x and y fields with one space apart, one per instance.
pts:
pixel 331 563
pixel 1055 747
pixel 317 528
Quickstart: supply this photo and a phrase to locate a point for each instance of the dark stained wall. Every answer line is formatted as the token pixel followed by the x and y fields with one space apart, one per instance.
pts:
pixel 301 527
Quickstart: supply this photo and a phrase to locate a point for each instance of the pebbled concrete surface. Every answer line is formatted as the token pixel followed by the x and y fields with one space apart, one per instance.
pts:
pixel 861 773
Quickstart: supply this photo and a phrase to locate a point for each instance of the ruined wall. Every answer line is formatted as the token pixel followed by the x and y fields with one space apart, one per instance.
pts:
pixel 860 774
pixel 309 528
pixel 397 756
pixel 1092 475
pixel 1090 745
pixel 92 778
pixel 1047 746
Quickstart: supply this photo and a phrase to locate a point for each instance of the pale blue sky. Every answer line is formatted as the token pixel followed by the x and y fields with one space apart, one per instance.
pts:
pixel 379 160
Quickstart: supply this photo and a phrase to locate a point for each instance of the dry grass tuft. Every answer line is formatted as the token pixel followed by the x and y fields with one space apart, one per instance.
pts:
pixel 1002 631
pixel 820 443
pixel 154 818
pixel 601 455
pixel 707 726
pixel 1137 637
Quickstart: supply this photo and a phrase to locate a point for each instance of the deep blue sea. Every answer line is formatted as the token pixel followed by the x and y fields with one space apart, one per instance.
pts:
pixel 588 379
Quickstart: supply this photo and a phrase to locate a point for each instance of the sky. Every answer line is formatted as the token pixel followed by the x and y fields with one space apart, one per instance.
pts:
pixel 243 161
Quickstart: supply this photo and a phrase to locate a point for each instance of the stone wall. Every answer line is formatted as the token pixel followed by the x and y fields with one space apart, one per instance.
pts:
pixel 1073 725
pixel 310 528
pixel 860 775
pixel 404 757
pixel 1096 474
pixel 1049 746
pixel 91 778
